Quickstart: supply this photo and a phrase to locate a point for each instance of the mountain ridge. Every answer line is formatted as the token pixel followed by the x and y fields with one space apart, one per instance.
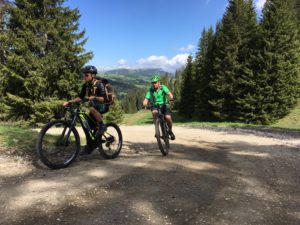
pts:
pixel 136 72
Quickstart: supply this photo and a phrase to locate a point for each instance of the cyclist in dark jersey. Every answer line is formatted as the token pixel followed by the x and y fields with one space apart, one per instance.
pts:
pixel 94 91
pixel 157 96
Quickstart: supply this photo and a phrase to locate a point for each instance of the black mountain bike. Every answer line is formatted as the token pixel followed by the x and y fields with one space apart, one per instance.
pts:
pixel 162 131
pixel 58 143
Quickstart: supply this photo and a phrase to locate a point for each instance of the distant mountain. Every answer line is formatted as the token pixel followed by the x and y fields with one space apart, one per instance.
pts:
pixel 126 80
pixel 136 72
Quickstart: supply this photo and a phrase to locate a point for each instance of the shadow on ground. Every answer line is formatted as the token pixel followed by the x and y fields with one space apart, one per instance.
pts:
pixel 203 183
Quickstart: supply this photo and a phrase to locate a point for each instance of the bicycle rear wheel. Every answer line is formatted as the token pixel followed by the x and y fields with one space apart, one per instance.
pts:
pixel 58 144
pixel 162 136
pixel 110 143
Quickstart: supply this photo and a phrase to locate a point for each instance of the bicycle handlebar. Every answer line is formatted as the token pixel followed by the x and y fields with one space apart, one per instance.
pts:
pixel 157 106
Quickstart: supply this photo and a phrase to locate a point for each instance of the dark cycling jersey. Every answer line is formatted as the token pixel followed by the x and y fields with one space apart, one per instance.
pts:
pixel 92 88
pixel 95 88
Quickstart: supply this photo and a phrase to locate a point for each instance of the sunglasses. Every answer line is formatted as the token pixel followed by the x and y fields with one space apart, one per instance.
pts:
pixel 87 74
pixel 154 82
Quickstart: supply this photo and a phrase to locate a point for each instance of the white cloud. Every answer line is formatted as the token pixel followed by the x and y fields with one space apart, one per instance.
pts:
pixel 163 62
pixel 260 4
pixel 122 62
pixel 187 48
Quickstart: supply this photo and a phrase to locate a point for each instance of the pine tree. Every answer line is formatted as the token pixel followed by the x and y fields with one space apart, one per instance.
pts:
pixel 296 11
pixel 297 17
pixel 246 101
pixel 168 81
pixel 46 54
pixel 133 100
pixel 129 104
pixel 115 113
pixel 203 65
pixel 3 38
pixel 279 63
pixel 177 87
pixel 4 47
pixel 229 79
pixel 187 98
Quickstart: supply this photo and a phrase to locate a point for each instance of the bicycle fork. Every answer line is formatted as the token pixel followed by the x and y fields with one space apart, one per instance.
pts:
pixel 65 141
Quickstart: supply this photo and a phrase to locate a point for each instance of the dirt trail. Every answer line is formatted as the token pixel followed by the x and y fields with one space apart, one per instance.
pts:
pixel 209 177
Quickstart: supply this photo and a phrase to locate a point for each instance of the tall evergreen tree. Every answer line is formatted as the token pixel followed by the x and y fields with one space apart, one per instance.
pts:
pixel 203 65
pixel 279 62
pixel 297 10
pixel 167 80
pixel 46 54
pixel 246 102
pixel 177 87
pixel 115 113
pixel 187 98
pixel 3 51
pixel 229 82
pixel 133 101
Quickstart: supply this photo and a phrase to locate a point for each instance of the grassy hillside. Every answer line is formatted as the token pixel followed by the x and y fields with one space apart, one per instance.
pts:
pixel 124 80
pixel 291 121
pixel 141 117
pixel 123 84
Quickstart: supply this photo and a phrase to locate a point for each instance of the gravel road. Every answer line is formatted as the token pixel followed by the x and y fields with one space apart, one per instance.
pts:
pixel 211 176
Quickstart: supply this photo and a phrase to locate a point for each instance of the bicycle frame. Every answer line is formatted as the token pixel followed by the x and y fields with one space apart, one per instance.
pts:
pixel 162 131
pixel 162 117
pixel 85 121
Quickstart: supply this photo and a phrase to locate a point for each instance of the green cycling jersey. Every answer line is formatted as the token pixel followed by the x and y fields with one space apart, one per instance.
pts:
pixel 158 97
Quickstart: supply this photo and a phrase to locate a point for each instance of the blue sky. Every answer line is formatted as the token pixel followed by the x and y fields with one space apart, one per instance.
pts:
pixel 146 33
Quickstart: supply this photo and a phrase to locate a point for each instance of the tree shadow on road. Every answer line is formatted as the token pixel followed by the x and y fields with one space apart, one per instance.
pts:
pixel 204 183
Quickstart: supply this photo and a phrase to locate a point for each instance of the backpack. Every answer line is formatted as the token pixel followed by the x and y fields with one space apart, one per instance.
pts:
pixel 109 91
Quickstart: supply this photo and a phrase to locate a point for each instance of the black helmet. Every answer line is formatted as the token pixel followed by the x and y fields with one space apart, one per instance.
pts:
pixel 89 69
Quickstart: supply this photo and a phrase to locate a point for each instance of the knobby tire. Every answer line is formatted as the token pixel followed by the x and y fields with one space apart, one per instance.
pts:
pixel 112 138
pixel 59 145
pixel 162 137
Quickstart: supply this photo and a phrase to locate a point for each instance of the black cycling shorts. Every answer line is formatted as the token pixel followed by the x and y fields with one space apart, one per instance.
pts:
pixel 100 107
pixel 164 109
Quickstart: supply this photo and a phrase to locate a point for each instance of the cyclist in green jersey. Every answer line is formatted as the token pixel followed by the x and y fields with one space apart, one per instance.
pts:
pixel 157 96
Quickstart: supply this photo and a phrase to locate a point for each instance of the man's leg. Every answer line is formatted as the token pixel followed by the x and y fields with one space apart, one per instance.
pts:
pixel 154 116
pixel 98 117
pixel 96 114
pixel 169 122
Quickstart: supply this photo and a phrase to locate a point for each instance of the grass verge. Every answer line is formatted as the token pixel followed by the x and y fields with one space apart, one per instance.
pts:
pixel 290 122
pixel 15 137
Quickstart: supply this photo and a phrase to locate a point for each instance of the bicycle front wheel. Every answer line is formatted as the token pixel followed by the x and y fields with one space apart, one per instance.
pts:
pixel 110 143
pixel 58 144
pixel 162 136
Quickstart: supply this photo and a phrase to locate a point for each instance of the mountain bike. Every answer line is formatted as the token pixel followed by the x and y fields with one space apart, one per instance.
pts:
pixel 58 143
pixel 162 131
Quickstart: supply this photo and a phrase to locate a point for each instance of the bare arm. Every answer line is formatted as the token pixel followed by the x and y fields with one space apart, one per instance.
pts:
pixel 72 101
pixel 171 97
pixel 97 98
pixel 145 102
